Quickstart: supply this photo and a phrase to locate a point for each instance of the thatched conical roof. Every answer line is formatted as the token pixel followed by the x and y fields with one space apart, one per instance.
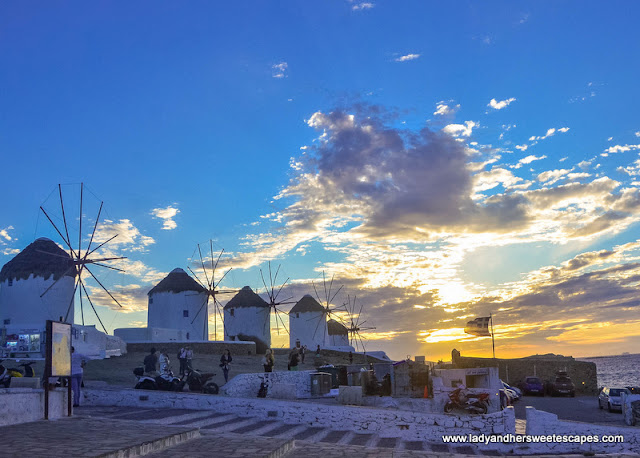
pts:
pixel 176 282
pixel 335 328
pixel 307 304
pixel 41 258
pixel 246 298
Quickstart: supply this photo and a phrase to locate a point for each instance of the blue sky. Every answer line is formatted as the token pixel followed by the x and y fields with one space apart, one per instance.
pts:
pixel 441 160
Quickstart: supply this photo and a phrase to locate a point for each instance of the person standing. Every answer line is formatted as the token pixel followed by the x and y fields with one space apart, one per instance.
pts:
pixel 318 350
pixel 151 361
pixel 77 370
pixel 164 362
pixel 268 361
pixel 350 357
pixel 189 358
pixel 225 361
pixel 182 357
pixel 293 360
pixel 303 350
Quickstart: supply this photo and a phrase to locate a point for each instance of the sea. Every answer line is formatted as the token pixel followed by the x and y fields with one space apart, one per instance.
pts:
pixel 617 371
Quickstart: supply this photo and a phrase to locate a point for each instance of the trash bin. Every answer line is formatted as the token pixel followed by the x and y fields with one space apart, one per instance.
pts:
pixel 320 383
pixel 338 375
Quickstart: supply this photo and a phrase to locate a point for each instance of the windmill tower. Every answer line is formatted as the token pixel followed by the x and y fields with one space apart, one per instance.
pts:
pixel 173 304
pixel 244 318
pixel 337 334
pixel 304 323
pixel 273 292
pixel 211 291
pixel 41 282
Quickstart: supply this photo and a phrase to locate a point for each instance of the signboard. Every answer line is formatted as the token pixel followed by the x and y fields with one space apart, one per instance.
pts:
pixel 477 371
pixel 59 349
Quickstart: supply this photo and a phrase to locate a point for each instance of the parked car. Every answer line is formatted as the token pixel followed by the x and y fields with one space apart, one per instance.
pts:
pixel 562 385
pixel 533 385
pixel 612 398
pixel 633 389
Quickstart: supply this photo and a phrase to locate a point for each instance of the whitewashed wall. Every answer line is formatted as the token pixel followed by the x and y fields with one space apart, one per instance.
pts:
pixel 305 328
pixel 249 321
pixel 166 311
pixel 23 405
pixel 21 303
pixel 338 340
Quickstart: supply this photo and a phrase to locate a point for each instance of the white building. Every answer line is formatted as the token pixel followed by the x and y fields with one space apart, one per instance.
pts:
pixel 88 341
pixel 178 303
pixel 248 317
pixel 307 324
pixel 23 312
pixel 337 334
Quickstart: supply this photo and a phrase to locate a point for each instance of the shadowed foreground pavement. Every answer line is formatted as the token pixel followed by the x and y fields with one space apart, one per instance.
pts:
pixel 99 437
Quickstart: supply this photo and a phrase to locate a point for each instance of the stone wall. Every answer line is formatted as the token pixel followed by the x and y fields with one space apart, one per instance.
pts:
pixel 287 384
pixel 627 414
pixel 384 422
pixel 544 423
pixel 199 348
pixel 23 405
pixel 513 371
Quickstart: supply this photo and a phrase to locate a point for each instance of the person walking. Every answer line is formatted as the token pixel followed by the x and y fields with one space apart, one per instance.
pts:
pixel 182 357
pixel 77 370
pixel 151 361
pixel 225 361
pixel 189 359
pixel 268 361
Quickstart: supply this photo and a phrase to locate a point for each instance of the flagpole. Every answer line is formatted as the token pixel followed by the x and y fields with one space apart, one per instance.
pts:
pixel 493 341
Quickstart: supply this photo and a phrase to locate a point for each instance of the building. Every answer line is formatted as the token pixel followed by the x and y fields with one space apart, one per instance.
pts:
pixel 307 323
pixel 178 305
pixel 337 334
pixel 24 310
pixel 247 317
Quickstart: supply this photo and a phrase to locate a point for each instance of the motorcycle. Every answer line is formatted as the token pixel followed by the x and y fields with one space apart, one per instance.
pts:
pixel 473 403
pixel 200 381
pixel 165 382
pixel 7 373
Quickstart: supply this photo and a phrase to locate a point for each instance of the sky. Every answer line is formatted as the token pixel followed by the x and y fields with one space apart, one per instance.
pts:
pixel 440 161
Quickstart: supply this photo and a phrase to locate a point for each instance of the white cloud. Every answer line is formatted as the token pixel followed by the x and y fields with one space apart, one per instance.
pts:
pixel 167 215
pixel 529 159
pixel 522 147
pixel 550 133
pixel 442 109
pixel 10 251
pixel 460 130
pixel 621 149
pixel 128 236
pixel 362 6
pixel 279 70
pixel 407 57
pixel 4 233
pixel 551 176
pixel 637 134
pixel 611 138
pixel 500 105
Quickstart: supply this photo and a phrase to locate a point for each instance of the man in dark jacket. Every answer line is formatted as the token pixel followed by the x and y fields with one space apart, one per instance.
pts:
pixel 151 361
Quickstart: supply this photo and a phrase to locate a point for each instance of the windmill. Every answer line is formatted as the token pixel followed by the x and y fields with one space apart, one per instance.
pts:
pixel 273 298
pixel 355 324
pixel 211 291
pixel 326 304
pixel 79 259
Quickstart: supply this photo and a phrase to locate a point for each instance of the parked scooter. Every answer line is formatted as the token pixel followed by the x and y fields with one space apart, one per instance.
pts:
pixel 473 403
pixel 5 376
pixel 164 382
pixel 200 381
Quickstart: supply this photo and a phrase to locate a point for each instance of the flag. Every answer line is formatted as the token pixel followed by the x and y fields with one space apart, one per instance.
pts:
pixel 478 327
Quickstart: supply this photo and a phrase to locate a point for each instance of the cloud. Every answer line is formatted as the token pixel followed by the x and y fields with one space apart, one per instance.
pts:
pixel 128 237
pixel 166 214
pixel 500 105
pixel 362 6
pixel 10 251
pixel 528 160
pixel 550 133
pixel 443 109
pixel 407 57
pixel 637 134
pixel 460 130
pixel 522 147
pixel 279 70
pixel 621 149
pixel 4 234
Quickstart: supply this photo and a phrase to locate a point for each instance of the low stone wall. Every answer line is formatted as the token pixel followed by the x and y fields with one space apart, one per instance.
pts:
pixel 199 348
pixel 282 384
pixel 544 423
pixel 23 405
pixel 385 422
pixel 627 414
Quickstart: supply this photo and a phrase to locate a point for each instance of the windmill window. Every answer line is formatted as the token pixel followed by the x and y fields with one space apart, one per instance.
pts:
pixel 185 313
pixel 232 312
pixel 11 282
pixel 151 300
pixel 7 321
pixel 297 315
